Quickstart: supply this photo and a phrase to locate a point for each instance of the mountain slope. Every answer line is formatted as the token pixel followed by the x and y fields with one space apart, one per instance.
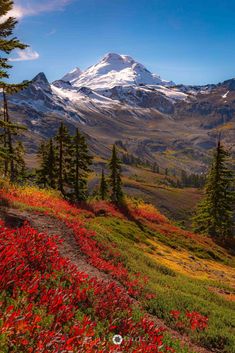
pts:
pixel 72 75
pixel 135 257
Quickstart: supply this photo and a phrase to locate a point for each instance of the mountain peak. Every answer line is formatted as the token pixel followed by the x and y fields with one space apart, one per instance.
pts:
pixel 72 75
pixel 40 81
pixel 114 70
pixel 112 57
pixel 40 78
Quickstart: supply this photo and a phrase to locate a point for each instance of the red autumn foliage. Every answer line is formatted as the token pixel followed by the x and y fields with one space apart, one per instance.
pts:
pixel 48 306
pixel 197 321
pixel 104 208
pixel 175 314
pixel 147 212
pixel 190 320
pixel 101 256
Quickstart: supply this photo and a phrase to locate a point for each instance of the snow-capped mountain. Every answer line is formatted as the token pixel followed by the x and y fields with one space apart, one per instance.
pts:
pixel 114 70
pixel 72 75
pixel 119 79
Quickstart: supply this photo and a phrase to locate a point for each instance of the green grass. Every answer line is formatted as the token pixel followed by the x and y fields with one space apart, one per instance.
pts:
pixel 174 291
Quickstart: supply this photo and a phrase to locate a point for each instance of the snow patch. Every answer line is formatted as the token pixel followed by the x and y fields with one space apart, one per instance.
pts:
pixel 225 95
pixel 72 75
pixel 83 95
pixel 172 93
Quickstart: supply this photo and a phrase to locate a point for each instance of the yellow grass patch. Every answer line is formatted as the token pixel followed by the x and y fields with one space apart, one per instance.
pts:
pixel 190 265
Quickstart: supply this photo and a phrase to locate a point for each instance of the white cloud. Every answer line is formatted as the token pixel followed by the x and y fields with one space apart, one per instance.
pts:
pixel 17 12
pixel 33 8
pixel 25 55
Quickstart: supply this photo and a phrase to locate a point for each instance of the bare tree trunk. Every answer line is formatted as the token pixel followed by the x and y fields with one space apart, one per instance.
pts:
pixel 8 142
pixel 61 186
pixel 5 118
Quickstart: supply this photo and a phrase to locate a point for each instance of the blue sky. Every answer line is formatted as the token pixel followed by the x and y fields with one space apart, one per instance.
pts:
pixel 189 42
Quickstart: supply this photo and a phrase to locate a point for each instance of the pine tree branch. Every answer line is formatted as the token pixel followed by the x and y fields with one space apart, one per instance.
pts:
pixel 6 27
pixel 14 88
pixel 8 45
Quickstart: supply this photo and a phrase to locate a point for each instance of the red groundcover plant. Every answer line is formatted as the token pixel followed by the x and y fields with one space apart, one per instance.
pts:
pixel 189 320
pixel 101 256
pixel 47 305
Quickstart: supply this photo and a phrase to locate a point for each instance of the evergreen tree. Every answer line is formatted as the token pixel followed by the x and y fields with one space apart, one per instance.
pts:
pixel 115 177
pixel 79 166
pixel 51 165
pixel 156 168
pixel 20 166
pixel 8 130
pixel 63 156
pixel 192 180
pixel 8 149
pixel 103 187
pixel 41 154
pixel 184 178
pixel 47 175
pixel 215 213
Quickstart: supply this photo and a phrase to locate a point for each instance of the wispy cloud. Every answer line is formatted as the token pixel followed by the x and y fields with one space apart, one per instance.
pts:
pixel 32 8
pixel 51 33
pixel 25 55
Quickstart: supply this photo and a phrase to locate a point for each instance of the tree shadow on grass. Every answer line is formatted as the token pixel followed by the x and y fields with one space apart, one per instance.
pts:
pixel 228 244
pixel 125 211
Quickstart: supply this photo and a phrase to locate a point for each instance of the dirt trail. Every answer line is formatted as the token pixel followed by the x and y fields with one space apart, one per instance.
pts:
pixel 15 218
